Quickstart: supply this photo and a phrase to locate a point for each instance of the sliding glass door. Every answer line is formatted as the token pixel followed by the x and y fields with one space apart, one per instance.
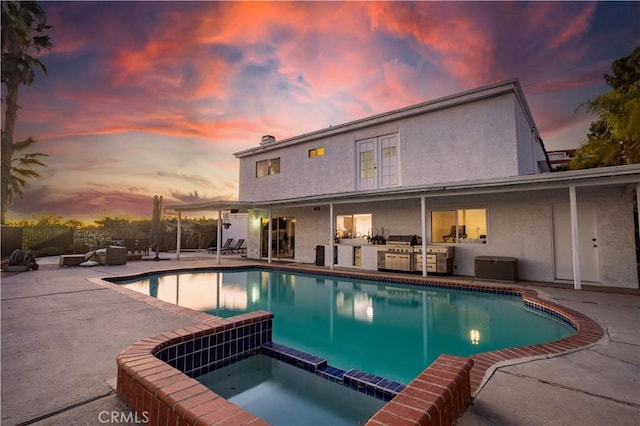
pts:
pixel 283 238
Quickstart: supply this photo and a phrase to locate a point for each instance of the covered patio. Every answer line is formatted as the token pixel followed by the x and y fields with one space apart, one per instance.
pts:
pixel 566 187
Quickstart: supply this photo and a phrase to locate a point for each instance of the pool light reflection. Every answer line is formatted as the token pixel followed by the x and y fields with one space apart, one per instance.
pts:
pixel 475 337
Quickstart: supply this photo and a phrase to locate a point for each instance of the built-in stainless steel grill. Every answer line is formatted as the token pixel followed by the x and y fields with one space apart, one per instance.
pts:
pixel 402 240
pixel 399 253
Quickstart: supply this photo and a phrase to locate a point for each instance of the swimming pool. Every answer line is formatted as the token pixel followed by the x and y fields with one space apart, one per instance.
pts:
pixel 390 330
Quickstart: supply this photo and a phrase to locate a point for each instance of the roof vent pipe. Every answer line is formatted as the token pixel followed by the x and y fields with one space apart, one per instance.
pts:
pixel 267 139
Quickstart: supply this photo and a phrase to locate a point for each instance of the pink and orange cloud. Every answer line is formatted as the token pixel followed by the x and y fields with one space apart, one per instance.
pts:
pixel 147 98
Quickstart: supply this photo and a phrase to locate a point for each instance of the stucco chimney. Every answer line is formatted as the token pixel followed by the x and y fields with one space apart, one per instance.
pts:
pixel 267 139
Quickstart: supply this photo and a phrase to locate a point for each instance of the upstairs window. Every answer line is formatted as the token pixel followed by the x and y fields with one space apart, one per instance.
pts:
pixel 316 152
pixel 267 167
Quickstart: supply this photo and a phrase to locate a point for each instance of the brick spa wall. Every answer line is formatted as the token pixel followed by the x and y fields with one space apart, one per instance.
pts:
pixel 436 397
pixel 154 373
pixel 155 378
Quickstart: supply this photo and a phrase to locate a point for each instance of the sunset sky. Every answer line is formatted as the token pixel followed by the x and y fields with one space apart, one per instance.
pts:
pixel 147 98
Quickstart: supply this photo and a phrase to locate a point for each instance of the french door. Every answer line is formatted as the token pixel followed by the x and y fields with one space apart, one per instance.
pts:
pixel 377 162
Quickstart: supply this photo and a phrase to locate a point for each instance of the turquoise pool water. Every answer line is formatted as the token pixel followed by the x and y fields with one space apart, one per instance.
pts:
pixel 392 331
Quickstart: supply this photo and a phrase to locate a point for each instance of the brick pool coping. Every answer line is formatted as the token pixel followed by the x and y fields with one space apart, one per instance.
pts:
pixel 436 397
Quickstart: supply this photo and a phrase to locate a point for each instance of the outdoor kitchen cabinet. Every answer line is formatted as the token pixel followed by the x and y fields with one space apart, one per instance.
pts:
pixel 346 255
pixel 439 260
pixel 369 257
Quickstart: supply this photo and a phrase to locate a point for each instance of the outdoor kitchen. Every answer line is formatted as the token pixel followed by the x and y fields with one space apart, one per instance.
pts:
pixel 400 253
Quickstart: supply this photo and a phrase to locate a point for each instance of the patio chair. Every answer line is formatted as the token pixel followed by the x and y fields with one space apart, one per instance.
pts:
pixel 235 249
pixel 225 247
pixel 452 235
pixel 137 245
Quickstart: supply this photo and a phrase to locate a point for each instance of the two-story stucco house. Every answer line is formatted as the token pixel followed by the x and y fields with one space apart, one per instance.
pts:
pixel 467 174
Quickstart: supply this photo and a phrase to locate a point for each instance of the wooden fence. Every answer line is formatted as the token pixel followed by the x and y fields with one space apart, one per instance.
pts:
pixel 35 238
pixel 11 240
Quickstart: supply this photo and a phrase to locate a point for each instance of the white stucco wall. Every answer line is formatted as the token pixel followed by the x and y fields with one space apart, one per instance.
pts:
pixel 238 227
pixel 519 225
pixel 489 138
pixel 477 140
pixel 467 142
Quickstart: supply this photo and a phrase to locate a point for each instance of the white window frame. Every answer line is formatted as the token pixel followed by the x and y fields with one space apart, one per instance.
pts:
pixel 269 171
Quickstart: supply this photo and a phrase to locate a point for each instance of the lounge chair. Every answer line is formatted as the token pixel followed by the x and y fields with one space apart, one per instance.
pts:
pixel 225 247
pixel 235 249
pixel 242 249
pixel 112 255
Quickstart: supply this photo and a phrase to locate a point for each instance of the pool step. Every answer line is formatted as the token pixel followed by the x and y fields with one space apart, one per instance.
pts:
pixel 295 357
pixel 372 385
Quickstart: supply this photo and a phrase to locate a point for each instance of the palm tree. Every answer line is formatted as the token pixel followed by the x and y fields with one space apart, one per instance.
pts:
pixel 614 138
pixel 22 170
pixel 23 28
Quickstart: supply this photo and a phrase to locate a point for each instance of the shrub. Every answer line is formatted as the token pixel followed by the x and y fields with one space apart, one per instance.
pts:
pixel 50 251
pixel 78 247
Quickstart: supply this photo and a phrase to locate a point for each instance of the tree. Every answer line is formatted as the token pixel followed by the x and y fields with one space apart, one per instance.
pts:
pixel 116 225
pixel 614 138
pixel 23 34
pixel 22 169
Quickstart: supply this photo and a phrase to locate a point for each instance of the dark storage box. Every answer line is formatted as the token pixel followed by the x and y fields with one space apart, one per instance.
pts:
pixel 496 268
pixel 319 255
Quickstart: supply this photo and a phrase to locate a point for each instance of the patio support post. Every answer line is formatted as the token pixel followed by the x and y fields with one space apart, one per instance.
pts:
pixel 179 235
pixel 269 252
pixel 332 240
pixel 423 231
pixel 575 238
pixel 219 237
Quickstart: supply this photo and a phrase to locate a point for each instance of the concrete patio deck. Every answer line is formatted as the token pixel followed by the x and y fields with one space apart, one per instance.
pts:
pixel 61 334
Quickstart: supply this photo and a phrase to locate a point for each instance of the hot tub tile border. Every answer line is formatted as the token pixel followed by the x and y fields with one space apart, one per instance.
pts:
pixel 147 384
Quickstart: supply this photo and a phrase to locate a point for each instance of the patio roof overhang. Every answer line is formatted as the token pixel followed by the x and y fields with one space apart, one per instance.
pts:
pixel 216 205
pixel 605 176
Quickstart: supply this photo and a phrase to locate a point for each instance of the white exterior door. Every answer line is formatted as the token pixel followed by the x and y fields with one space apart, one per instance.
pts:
pixel 378 162
pixel 588 242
